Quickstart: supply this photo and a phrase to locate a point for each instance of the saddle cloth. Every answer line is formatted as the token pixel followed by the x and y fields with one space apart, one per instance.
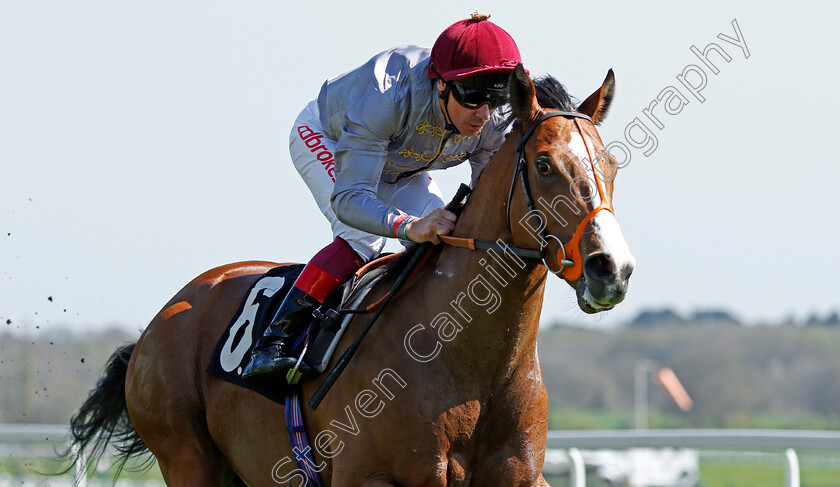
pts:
pixel 233 351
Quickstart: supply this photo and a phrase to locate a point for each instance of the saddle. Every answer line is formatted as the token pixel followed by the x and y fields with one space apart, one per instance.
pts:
pixel 316 342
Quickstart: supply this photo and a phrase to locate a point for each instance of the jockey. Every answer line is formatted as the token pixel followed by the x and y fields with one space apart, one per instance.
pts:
pixel 364 148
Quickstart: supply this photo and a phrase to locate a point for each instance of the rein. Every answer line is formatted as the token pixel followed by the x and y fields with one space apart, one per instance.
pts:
pixel 421 253
pixel 571 266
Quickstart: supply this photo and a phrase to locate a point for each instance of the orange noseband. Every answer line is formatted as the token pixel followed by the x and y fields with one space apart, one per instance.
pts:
pixel 575 270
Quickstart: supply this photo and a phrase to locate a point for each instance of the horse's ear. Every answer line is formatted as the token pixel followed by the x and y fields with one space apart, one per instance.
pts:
pixel 523 99
pixel 598 103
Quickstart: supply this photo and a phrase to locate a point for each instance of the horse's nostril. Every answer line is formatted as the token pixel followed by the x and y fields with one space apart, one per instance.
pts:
pixel 600 267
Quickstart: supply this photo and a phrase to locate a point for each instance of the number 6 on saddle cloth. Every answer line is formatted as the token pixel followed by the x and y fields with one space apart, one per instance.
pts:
pixel 318 339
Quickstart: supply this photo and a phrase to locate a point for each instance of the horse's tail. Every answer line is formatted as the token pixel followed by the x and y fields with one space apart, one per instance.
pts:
pixel 103 418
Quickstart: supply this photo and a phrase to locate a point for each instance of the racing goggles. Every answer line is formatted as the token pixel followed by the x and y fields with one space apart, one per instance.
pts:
pixel 472 98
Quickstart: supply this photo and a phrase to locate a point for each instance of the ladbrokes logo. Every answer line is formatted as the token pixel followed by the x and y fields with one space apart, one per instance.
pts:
pixel 312 139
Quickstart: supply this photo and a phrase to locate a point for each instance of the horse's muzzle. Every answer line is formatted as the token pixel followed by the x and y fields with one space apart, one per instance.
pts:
pixel 604 282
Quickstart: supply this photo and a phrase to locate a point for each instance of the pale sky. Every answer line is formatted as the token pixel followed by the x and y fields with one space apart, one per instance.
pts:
pixel 142 143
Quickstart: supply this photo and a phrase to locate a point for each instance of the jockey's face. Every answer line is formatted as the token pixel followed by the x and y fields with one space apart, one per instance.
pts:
pixel 469 121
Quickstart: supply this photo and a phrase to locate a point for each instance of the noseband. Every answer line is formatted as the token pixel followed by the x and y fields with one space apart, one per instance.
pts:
pixel 571 265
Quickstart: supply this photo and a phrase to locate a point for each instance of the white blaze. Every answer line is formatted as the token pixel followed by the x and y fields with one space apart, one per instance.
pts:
pixel 578 148
pixel 612 241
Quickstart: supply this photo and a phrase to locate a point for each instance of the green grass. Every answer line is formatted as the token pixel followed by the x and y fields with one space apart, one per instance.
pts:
pixel 723 472
pixel 714 474
pixel 820 478
pixel 44 468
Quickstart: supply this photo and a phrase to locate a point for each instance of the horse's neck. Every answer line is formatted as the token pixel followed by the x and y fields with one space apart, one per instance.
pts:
pixel 496 300
pixel 485 217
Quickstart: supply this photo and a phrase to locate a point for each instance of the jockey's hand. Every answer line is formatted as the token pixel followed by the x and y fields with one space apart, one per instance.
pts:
pixel 427 229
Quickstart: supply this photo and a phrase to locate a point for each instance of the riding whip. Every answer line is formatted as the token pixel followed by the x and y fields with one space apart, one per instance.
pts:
pixel 419 252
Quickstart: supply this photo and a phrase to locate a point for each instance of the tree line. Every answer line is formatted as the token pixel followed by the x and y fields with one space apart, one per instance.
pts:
pixel 785 376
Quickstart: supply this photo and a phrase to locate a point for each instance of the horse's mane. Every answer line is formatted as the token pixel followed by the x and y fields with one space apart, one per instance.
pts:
pixel 550 94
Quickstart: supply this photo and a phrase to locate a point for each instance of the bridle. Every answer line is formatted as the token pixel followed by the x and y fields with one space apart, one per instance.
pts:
pixel 571 265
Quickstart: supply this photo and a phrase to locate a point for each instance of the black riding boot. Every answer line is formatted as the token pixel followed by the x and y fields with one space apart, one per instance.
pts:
pixel 270 356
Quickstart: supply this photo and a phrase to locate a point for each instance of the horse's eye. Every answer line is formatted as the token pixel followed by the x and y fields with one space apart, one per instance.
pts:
pixel 543 167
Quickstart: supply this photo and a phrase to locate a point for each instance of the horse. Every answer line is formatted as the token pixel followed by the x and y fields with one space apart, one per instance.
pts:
pixel 447 389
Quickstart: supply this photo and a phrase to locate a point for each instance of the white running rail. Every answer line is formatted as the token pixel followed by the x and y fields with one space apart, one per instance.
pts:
pixel 737 439
pixel 787 441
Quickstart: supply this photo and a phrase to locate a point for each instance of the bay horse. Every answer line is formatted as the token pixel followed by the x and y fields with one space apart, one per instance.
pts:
pixel 447 389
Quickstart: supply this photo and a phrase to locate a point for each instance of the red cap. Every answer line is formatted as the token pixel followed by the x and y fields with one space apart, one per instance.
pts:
pixel 473 47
